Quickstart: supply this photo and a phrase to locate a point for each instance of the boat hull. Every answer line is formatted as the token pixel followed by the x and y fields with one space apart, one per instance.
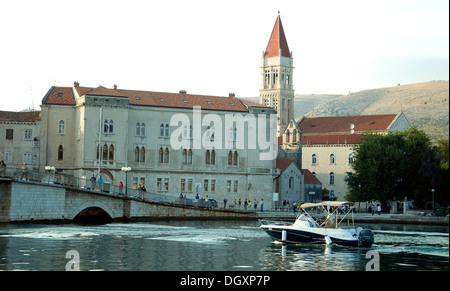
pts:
pixel 315 236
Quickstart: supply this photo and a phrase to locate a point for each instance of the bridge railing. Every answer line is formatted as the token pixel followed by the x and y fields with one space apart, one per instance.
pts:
pixel 70 181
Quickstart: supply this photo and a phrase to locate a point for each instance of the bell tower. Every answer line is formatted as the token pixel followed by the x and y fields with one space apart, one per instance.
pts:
pixel 277 68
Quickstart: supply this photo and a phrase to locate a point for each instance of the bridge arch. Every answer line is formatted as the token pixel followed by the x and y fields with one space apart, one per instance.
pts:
pixel 93 213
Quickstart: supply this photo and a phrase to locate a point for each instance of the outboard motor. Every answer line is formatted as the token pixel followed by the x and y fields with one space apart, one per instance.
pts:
pixel 366 238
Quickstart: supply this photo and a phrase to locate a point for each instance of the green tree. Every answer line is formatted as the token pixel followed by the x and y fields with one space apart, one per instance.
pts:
pixel 392 166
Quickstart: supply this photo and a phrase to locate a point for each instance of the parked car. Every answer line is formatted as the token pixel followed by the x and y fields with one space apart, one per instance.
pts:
pixel 210 203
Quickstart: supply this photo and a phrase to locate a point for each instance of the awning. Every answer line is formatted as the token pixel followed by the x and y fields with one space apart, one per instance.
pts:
pixel 327 203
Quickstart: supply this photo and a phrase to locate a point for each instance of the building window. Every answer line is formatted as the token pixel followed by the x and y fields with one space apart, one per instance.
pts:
pixel 189 188
pixel 8 157
pixel 291 182
pixel 213 157
pixel 27 158
pixel 235 186
pixel 210 157
pixel 166 184
pixel 230 158
pixel 9 133
pixel 183 184
pixel 205 185
pixel 60 153
pixel 27 134
pixel 167 131
pixel 108 126
pixel 136 154
pixel 163 155
pixel 228 185
pixel 161 130
pixel 331 178
pixel 105 152
pixel 140 129
pixel 61 127
pixel 213 185
pixel 166 156
pixel 111 153
pixel 332 159
pixel 142 155
pixel 235 158
pixel 314 159
pixel 159 185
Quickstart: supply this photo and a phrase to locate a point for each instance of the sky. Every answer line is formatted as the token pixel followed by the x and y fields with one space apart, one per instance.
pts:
pixel 215 47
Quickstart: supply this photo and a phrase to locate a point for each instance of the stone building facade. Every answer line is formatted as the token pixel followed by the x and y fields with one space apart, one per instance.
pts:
pixel 220 147
pixel 20 137
pixel 327 144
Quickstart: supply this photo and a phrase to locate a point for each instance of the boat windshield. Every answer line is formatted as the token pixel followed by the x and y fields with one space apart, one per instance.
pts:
pixel 333 208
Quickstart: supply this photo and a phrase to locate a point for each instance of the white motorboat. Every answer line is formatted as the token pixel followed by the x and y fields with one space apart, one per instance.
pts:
pixel 307 229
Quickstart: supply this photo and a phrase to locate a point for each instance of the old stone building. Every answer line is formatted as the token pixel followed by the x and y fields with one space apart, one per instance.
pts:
pixel 327 144
pixel 221 147
pixel 19 138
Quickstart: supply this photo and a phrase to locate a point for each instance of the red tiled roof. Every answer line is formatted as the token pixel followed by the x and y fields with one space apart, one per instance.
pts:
pixel 310 178
pixel 277 41
pixel 282 164
pixel 331 139
pixel 149 98
pixel 25 116
pixel 59 96
pixel 341 124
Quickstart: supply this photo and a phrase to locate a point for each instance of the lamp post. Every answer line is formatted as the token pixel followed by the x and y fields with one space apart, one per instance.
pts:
pixel 126 170
pixel 359 198
pixel 432 201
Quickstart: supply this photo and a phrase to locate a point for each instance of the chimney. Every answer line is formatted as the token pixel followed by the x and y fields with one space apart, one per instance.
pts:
pixel 182 92
pixel 115 87
pixel 231 94
pixel 76 84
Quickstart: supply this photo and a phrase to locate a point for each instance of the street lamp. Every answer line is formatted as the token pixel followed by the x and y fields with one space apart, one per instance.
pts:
pixel 432 201
pixel 126 170
pixel 359 198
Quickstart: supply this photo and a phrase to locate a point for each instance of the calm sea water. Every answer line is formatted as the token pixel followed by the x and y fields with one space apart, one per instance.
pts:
pixel 209 246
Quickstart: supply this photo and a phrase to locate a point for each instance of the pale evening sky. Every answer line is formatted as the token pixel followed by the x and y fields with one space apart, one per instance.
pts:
pixel 215 47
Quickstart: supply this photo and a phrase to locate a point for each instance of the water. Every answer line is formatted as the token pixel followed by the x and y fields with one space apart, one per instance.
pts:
pixel 210 246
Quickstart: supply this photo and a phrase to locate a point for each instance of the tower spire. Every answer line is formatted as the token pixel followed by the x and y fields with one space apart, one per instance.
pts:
pixel 276 77
pixel 277 41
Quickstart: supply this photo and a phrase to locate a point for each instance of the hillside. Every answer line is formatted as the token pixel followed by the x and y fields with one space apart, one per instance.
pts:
pixel 426 105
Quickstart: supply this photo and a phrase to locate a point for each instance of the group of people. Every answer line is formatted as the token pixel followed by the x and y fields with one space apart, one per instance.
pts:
pixel 247 204
pixel 372 208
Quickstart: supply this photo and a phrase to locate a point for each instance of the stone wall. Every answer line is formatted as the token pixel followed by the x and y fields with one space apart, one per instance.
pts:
pixel 23 201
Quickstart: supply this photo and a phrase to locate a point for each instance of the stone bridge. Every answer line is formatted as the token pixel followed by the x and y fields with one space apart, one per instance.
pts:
pixel 24 200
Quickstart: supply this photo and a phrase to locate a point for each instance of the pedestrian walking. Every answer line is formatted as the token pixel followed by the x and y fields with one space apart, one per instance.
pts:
pixel 261 205
pixel 120 187
pixel 379 209
pixel 93 182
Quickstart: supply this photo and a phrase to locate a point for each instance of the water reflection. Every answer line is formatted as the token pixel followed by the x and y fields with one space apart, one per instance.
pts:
pixel 209 246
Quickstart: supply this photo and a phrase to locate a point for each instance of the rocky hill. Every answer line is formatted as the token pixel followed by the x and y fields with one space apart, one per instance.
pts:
pixel 426 105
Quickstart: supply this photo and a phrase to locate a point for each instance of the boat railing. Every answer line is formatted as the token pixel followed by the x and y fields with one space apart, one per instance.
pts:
pixel 274 222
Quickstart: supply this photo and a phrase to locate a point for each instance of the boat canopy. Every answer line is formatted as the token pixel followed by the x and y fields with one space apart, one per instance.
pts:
pixel 327 203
